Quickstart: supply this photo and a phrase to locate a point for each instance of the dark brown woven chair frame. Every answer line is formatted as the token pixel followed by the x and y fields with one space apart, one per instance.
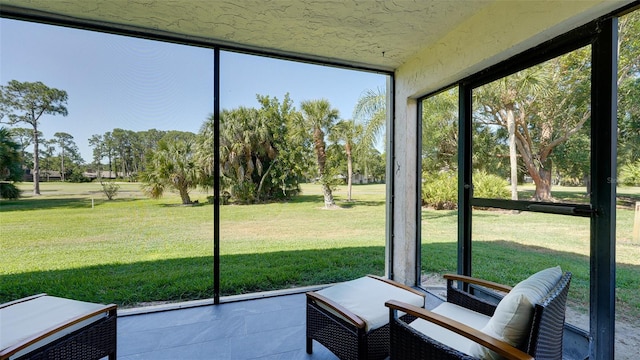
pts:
pixel 545 335
pixel 347 339
pixel 94 341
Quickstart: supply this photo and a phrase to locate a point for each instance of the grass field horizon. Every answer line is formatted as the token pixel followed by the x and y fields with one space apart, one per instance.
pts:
pixel 71 241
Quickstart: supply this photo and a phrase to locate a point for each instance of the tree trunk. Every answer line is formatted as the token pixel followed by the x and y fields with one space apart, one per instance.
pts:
pixel 328 197
pixel 110 167
pixel 259 192
pixel 349 170
pixel 184 195
pixel 62 165
pixel 587 183
pixel 513 158
pixel 543 184
pixel 318 139
pixel 36 161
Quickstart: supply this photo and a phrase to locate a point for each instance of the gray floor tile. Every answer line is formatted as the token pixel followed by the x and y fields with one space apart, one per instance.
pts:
pixel 265 329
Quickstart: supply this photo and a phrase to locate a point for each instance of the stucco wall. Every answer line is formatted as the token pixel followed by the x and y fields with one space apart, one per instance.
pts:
pixel 499 31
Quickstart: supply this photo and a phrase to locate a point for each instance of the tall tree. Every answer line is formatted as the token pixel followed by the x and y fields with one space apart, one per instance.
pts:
pixel 240 132
pixel 283 174
pixel 109 150
pixel 349 134
pixel 506 99
pixel 10 165
pixel 549 103
pixel 47 156
pixel 319 118
pixel 123 141
pixel 96 142
pixel 27 102
pixel 66 145
pixel 172 165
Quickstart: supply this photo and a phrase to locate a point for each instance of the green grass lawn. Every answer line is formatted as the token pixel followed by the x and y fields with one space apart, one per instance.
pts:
pixel 72 242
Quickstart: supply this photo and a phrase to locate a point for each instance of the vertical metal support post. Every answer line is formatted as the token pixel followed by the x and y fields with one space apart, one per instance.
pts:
pixel 419 194
pixel 603 196
pixel 216 176
pixel 390 176
pixel 465 185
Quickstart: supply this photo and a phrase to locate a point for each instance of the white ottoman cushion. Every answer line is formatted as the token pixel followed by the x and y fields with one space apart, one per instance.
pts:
pixel 366 296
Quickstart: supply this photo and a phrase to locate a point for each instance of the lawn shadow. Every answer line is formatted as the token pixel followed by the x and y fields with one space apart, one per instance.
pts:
pixel 298 199
pixel 42 203
pixel 192 278
pixel 355 203
pixel 438 214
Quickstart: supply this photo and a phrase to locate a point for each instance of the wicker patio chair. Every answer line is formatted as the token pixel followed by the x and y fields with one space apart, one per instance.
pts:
pixel 356 327
pixel 467 337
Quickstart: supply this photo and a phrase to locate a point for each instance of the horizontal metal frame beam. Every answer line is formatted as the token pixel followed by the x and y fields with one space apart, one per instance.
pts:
pixel 582 210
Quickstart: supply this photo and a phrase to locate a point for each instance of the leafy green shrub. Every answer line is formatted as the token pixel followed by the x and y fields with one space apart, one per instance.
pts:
pixel 440 190
pixel 630 174
pixel 110 189
pixel 9 191
pixel 77 176
pixel 243 192
pixel 224 198
pixel 490 186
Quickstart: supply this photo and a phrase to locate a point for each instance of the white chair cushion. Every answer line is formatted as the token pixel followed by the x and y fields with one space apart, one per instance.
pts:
pixel 448 337
pixel 512 319
pixel 366 296
pixel 538 285
pixel 23 320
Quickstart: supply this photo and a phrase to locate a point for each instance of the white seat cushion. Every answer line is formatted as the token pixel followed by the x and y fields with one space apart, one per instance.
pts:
pixel 448 337
pixel 23 320
pixel 366 296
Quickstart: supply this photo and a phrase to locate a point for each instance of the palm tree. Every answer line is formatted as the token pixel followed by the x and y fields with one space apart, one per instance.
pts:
pixel 371 110
pixel 319 118
pixel 348 133
pixel 243 138
pixel 172 165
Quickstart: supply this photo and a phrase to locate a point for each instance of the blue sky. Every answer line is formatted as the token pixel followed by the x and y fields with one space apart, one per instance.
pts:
pixel 136 84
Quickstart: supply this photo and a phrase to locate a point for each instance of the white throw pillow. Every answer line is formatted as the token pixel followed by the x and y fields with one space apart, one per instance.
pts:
pixel 538 285
pixel 512 319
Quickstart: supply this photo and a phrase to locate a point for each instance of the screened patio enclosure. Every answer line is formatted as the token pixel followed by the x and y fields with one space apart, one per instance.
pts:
pixel 424 48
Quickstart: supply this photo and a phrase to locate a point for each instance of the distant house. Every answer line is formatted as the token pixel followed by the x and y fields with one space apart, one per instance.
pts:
pixel 53 175
pixel 45 175
pixel 104 174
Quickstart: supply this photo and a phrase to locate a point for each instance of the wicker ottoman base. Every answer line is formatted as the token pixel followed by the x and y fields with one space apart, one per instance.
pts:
pixel 344 330
pixel 344 339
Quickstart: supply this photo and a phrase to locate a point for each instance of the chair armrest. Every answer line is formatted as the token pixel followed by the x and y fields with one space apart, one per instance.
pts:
pixel 397 284
pixel 499 346
pixel 476 281
pixel 344 312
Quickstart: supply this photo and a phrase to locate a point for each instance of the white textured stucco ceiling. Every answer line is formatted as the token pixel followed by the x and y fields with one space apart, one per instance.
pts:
pixel 373 33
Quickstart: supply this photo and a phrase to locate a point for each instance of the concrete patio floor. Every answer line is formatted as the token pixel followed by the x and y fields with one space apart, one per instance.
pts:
pixel 267 328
